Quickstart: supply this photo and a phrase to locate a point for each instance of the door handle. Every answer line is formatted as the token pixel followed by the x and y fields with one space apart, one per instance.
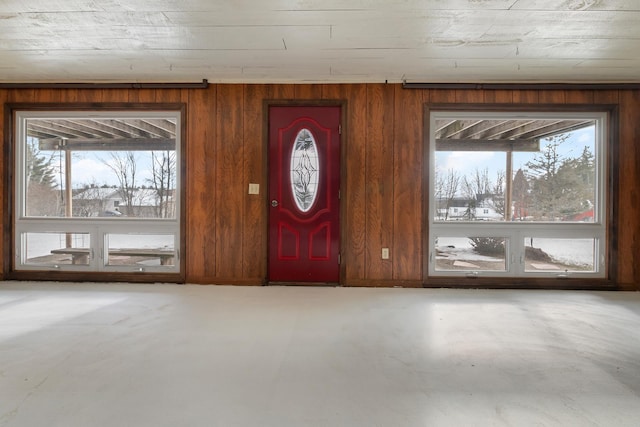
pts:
pixel 274 203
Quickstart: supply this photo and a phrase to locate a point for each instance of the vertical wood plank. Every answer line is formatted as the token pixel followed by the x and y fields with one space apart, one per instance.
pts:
pixel 20 95
pixel 70 95
pixel 89 95
pixel 379 180
pixel 498 96
pixel 353 184
pixel 230 178
pixel 333 92
pixel 442 96
pixel 406 251
pixel 49 95
pixel 579 96
pixel 629 191
pixel 552 96
pixel 606 97
pixel 526 96
pixel 142 95
pixel 114 95
pixel 354 168
pixel 169 95
pixel 469 96
pixel 5 194
pixel 308 91
pixel 282 91
pixel 200 182
pixel 254 235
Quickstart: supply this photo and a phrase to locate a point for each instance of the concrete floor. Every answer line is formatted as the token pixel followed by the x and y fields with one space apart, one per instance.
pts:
pixel 170 355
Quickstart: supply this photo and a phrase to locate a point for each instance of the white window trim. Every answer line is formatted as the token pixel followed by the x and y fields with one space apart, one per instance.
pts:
pixel 516 232
pixel 97 228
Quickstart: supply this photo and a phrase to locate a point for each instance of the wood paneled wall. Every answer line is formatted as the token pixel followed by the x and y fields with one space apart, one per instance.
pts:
pixel 383 188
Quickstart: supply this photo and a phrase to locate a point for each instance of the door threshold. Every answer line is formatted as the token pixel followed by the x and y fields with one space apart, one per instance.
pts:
pixel 327 284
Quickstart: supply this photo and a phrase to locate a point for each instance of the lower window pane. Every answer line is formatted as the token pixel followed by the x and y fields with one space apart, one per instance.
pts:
pixel 140 249
pixel 470 254
pixel 561 255
pixel 57 248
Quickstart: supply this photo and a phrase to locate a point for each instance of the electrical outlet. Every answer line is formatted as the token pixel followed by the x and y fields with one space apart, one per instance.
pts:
pixel 385 253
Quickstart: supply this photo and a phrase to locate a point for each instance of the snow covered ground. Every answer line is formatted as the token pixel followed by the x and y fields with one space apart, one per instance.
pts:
pixel 568 251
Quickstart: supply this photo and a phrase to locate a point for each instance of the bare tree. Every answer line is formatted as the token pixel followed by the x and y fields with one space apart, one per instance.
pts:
pixel 91 200
pixel 446 189
pixel 476 188
pixel 163 181
pixel 123 164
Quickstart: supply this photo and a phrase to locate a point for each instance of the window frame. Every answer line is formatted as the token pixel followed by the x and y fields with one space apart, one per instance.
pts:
pixel 605 258
pixel 98 228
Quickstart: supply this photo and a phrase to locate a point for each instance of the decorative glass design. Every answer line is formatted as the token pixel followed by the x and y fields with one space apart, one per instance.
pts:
pixel 304 170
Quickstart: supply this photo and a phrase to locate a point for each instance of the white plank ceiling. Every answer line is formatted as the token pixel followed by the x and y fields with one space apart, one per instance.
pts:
pixel 450 41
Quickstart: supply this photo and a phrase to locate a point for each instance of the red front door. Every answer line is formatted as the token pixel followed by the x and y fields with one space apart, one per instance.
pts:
pixel 304 184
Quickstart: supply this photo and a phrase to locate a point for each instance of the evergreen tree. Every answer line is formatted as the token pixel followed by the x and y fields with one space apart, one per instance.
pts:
pixel 585 170
pixel 520 195
pixel 497 197
pixel 561 187
pixel 546 194
pixel 43 197
pixel 40 169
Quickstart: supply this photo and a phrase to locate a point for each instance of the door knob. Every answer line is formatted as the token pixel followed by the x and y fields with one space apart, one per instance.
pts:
pixel 274 203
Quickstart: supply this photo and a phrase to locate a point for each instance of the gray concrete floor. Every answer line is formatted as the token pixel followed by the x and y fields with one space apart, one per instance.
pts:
pixel 169 355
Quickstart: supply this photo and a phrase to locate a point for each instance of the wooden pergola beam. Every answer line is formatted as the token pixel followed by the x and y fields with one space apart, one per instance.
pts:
pixel 558 128
pixel 506 145
pixel 112 144
pixel 506 129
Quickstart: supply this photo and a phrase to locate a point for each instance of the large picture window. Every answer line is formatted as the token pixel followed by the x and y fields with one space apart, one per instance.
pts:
pixel 517 194
pixel 97 190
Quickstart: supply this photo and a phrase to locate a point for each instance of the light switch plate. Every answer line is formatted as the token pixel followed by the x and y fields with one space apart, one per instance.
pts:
pixel 385 253
pixel 254 188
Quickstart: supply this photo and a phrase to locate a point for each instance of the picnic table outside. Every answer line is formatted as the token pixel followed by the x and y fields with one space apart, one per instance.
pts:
pixel 81 255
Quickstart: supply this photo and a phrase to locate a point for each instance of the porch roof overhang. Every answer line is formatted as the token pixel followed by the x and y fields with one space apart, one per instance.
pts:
pixel 500 134
pixel 98 134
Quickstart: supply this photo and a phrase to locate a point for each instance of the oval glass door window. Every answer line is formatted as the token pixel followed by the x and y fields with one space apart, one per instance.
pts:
pixel 304 170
